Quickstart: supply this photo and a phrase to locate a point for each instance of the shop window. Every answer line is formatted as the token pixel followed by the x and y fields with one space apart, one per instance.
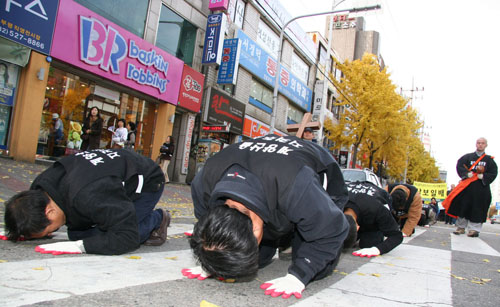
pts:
pixel 261 96
pixel 8 83
pixel 294 115
pixel 176 35
pixel 71 98
pixel 63 110
pixel 119 12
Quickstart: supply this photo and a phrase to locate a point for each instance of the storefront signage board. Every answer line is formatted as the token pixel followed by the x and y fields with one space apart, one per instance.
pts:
pixel 88 41
pixel 228 70
pixel 191 91
pixel 215 5
pixel 214 39
pixel 29 23
pixel 222 109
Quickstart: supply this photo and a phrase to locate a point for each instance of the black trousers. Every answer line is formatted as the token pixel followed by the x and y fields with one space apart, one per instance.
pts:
pixel 369 239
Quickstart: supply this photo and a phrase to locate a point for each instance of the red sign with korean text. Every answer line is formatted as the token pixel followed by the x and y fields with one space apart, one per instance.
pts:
pixel 191 90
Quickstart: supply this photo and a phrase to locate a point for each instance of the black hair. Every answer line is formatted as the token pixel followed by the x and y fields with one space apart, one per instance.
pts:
pixel 352 236
pixel 224 244
pixel 398 199
pixel 25 214
pixel 123 121
pixel 172 140
pixel 132 126
pixel 90 112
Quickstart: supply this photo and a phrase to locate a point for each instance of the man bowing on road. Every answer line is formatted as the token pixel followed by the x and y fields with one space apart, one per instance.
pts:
pixel 106 198
pixel 265 193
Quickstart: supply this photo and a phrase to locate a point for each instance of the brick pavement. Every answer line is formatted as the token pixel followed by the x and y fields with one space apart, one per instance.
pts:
pixel 17 176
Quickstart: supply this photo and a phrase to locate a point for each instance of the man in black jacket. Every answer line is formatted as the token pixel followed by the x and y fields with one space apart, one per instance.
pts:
pixel 265 193
pixel 369 206
pixel 104 197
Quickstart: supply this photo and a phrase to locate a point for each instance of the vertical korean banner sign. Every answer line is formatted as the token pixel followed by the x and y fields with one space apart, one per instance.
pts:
pixel 214 38
pixel 187 144
pixel 228 70
pixel 88 41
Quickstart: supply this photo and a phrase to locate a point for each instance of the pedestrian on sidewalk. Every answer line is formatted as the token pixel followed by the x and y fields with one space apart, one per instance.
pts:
pixel 105 197
pixel 369 206
pixel 407 206
pixel 470 200
pixel 166 153
pixel 265 193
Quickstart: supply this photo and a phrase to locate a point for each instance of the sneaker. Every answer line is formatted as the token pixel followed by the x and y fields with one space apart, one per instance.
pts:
pixel 473 234
pixel 159 236
pixel 459 231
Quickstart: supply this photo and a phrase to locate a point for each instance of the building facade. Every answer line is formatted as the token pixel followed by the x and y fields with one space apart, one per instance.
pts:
pixel 149 68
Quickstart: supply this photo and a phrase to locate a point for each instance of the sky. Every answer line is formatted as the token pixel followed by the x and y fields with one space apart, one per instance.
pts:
pixel 446 47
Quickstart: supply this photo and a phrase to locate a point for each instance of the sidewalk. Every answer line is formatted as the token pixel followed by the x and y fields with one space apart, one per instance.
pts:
pixel 17 176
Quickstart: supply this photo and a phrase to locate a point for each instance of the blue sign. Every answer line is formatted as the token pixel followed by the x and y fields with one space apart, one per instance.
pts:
pixel 262 65
pixel 214 37
pixel 228 70
pixel 29 23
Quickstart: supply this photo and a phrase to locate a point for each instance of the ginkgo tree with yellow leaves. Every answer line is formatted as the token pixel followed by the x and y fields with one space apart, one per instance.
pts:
pixel 376 122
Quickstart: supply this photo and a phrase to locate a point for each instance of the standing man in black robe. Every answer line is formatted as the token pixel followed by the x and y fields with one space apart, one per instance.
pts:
pixel 471 203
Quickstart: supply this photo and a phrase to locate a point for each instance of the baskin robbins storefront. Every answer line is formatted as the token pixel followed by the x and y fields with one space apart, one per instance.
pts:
pixel 96 63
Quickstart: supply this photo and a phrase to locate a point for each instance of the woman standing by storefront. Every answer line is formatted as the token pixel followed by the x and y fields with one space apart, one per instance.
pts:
pixel 92 129
pixel 166 153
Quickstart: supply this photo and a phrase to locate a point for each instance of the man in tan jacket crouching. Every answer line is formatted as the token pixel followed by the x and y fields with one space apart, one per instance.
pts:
pixel 406 205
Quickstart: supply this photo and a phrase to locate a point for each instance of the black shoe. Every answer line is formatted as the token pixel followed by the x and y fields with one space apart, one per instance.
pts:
pixel 159 236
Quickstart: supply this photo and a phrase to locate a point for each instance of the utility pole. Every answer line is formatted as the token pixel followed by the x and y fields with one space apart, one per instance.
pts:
pixel 412 91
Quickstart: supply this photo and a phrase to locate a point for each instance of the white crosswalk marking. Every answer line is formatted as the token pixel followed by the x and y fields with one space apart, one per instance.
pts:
pixel 32 281
pixel 471 245
pixel 430 281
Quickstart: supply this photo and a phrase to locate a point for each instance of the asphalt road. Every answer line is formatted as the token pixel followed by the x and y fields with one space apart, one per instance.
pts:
pixel 432 268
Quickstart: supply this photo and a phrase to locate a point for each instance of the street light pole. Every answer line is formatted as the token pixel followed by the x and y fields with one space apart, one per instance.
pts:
pixel 278 68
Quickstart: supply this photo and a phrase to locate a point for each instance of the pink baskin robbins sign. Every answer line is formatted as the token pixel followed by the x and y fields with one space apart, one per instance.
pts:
pixel 87 40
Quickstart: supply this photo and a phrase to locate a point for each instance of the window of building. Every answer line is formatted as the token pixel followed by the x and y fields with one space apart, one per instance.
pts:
pixel 8 83
pixel 176 35
pixel 294 115
pixel 119 12
pixel 300 68
pixel 261 96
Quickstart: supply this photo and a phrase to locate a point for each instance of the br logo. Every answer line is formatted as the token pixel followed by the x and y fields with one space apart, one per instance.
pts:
pixel 100 45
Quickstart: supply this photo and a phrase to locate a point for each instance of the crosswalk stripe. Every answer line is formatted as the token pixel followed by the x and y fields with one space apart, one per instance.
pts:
pixel 472 245
pixel 32 281
pixel 430 281
pixel 418 231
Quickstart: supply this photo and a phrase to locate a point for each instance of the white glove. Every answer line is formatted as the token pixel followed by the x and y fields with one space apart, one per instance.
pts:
pixel 367 252
pixel 197 272
pixel 284 286
pixel 469 174
pixel 59 248
pixel 480 176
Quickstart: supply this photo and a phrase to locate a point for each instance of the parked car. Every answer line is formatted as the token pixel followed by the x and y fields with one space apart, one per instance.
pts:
pixel 354 174
pixel 495 219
